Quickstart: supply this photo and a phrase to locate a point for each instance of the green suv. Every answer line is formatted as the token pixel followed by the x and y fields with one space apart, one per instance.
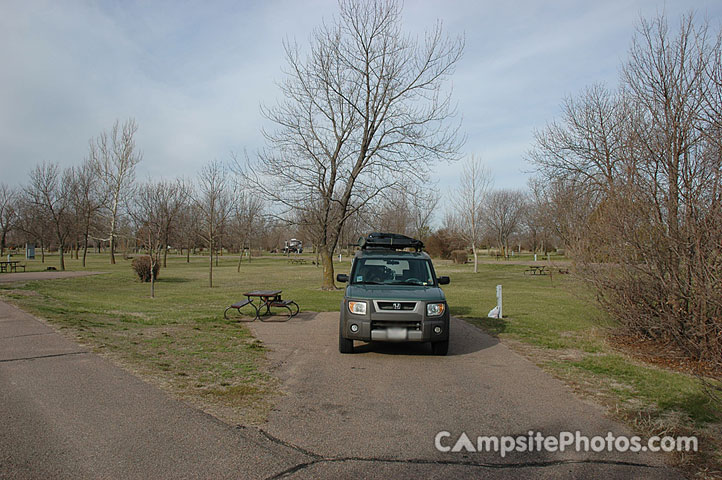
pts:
pixel 393 295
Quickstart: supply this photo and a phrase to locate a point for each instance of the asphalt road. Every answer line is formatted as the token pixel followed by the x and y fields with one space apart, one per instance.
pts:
pixel 67 413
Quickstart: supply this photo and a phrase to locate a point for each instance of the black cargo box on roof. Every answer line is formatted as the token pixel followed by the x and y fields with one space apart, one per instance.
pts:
pixel 390 240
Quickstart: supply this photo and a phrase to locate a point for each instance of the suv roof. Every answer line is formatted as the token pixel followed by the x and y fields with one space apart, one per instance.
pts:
pixel 390 241
pixel 388 253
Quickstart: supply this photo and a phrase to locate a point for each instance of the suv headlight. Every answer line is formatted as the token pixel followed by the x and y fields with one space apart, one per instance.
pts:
pixel 359 308
pixel 435 309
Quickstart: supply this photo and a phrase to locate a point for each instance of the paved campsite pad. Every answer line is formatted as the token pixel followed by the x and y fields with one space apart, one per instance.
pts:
pixel 381 407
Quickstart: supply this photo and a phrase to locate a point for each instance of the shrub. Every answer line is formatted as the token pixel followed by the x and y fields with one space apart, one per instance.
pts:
pixel 441 243
pixel 459 256
pixel 141 266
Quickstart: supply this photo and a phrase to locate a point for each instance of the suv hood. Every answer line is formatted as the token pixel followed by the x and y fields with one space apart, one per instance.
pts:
pixel 396 292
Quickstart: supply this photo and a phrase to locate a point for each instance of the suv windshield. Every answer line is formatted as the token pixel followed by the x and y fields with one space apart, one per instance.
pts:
pixel 392 271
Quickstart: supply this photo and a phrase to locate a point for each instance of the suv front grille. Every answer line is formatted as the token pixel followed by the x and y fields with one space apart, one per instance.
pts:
pixel 397 306
pixel 384 324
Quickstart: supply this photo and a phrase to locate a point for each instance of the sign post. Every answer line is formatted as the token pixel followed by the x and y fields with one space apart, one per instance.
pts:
pixel 498 299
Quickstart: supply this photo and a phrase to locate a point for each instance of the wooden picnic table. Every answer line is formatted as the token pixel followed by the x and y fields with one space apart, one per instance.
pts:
pixel 536 270
pixel 10 265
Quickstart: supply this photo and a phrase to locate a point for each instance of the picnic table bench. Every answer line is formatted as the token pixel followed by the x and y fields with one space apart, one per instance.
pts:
pixel 260 299
pixel 536 270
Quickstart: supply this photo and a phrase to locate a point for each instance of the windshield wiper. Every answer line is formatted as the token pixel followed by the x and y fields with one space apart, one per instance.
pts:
pixel 368 283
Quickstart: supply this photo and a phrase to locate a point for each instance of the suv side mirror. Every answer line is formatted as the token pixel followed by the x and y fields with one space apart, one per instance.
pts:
pixel 444 280
pixel 342 277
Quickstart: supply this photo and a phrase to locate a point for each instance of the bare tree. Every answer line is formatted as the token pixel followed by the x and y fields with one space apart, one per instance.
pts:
pixel 172 198
pixel 423 204
pixel 87 199
pixel 185 232
pixel 364 110
pixel 115 156
pixel 247 207
pixel 149 212
pixel 213 200
pixel 49 191
pixel 33 223
pixel 590 143
pixel 8 213
pixel 503 212
pixel 407 209
pixel 647 235
pixel 470 200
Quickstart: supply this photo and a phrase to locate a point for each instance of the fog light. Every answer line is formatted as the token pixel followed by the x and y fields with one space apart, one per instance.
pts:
pixel 354 328
pixel 437 330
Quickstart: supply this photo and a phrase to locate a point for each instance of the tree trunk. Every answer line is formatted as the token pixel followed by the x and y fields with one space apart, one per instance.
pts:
pixel 188 255
pixel 152 279
pixel 210 264
pixel 2 244
pixel 476 258
pixel 62 256
pixel 327 260
pixel 85 248
pixel 112 249
pixel 165 251
pixel 42 252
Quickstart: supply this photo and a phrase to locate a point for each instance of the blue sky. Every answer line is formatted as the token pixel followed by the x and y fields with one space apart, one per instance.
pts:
pixel 193 74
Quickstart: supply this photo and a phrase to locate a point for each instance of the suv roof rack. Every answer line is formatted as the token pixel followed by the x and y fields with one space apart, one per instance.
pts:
pixel 392 241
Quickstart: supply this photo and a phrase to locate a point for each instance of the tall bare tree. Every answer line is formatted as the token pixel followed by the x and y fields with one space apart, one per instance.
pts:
pixel 8 213
pixel 365 109
pixel 87 199
pixel 503 212
pixel 115 156
pixel 470 200
pixel 213 200
pixel 49 191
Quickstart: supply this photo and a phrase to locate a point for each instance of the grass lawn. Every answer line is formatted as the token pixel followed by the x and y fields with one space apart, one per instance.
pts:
pixel 181 341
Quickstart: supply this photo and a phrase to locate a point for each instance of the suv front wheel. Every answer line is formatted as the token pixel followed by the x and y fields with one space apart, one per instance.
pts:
pixel 345 345
pixel 440 348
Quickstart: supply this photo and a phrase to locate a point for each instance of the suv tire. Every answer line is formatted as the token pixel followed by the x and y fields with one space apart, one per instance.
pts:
pixel 440 348
pixel 345 345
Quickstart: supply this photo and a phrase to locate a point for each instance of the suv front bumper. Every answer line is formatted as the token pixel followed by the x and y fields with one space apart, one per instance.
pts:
pixel 394 326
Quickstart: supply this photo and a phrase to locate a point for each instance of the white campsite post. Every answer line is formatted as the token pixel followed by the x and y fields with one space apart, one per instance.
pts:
pixel 535 257
pixel 498 299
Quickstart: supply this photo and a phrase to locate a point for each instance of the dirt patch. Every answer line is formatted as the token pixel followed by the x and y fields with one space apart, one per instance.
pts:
pixel 666 355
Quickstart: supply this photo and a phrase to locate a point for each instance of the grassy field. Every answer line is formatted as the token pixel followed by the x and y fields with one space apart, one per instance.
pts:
pixel 181 341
